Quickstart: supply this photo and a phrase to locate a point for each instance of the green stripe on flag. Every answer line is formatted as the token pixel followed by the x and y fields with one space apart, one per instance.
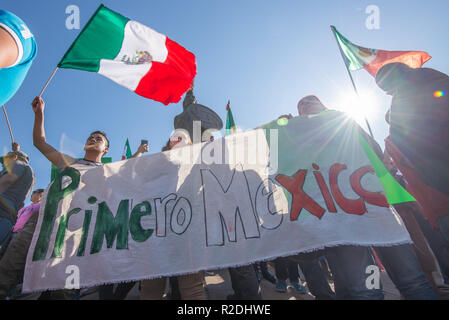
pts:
pixel 101 38
pixel 349 51
pixel 394 192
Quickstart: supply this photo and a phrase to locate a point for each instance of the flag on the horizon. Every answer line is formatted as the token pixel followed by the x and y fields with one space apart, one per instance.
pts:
pixel 127 151
pixel 230 125
pixel 372 60
pixel 132 55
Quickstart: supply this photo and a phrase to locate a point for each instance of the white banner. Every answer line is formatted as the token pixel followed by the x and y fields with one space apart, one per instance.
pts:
pixel 173 213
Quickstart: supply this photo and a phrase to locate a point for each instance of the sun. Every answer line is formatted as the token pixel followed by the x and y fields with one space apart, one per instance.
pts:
pixel 358 107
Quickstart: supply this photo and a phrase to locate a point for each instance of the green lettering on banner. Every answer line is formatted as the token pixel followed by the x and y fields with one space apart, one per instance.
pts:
pixel 110 227
pixel 59 242
pixel 138 233
pixel 86 224
pixel 55 194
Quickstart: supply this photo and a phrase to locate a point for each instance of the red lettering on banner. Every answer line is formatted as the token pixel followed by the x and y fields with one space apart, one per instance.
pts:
pixel 374 198
pixel 324 189
pixel 300 200
pixel 356 206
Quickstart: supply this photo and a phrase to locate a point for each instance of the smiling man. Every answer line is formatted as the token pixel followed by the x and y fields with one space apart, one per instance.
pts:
pixel 97 145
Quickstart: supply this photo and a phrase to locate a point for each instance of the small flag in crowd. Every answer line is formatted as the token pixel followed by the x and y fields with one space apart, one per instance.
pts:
pixel 127 151
pixel 372 60
pixel 230 125
pixel 132 55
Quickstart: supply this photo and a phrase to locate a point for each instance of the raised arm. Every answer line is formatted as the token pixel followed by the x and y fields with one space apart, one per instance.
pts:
pixel 59 159
pixel 141 150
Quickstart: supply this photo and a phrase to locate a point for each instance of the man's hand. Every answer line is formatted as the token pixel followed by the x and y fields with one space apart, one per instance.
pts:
pixel 15 146
pixel 38 105
pixel 141 150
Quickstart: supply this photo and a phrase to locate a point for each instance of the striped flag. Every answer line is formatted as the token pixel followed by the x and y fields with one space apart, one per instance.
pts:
pixel 357 58
pixel 132 55
pixel 127 151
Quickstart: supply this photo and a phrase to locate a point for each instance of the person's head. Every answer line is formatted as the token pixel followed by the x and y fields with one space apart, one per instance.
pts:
pixel 392 76
pixel 36 196
pixel 98 142
pixel 310 105
pixel 12 157
pixel 179 138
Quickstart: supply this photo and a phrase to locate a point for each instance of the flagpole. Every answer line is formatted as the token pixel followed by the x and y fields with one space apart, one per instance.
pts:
pixel 350 76
pixel 9 125
pixel 48 81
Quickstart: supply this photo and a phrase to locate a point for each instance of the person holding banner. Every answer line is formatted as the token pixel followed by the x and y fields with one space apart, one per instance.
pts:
pixel 97 145
pixel 426 257
pixel 13 264
pixel 349 263
pixel 17 51
pixel 419 131
pixel 191 286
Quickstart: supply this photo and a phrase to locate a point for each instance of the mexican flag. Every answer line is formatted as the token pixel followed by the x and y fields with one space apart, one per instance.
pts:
pixel 127 151
pixel 132 55
pixel 230 125
pixel 372 60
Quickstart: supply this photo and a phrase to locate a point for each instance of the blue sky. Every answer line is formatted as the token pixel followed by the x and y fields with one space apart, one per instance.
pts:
pixel 262 55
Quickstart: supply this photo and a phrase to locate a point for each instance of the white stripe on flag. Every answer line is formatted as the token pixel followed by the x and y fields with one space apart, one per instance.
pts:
pixel 132 63
pixel 128 76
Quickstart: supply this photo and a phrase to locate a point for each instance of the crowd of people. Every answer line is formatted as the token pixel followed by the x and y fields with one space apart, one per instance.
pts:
pixel 416 153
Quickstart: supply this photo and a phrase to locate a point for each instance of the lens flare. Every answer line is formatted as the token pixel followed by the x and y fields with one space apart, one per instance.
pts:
pixel 439 94
pixel 282 122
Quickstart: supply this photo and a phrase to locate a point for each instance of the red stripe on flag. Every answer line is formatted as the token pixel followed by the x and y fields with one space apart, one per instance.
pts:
pixel 414 59
pixel 167 82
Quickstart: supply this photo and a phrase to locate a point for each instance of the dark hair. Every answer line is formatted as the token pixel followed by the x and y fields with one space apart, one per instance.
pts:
pixel 167 146
pixel 38 191
pixel 103 134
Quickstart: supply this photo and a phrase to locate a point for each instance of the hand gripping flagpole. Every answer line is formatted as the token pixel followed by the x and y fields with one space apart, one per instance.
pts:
pixel 350 76
pixel 9 125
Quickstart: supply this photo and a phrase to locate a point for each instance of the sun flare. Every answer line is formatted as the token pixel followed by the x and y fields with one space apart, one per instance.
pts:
pixel 359 106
